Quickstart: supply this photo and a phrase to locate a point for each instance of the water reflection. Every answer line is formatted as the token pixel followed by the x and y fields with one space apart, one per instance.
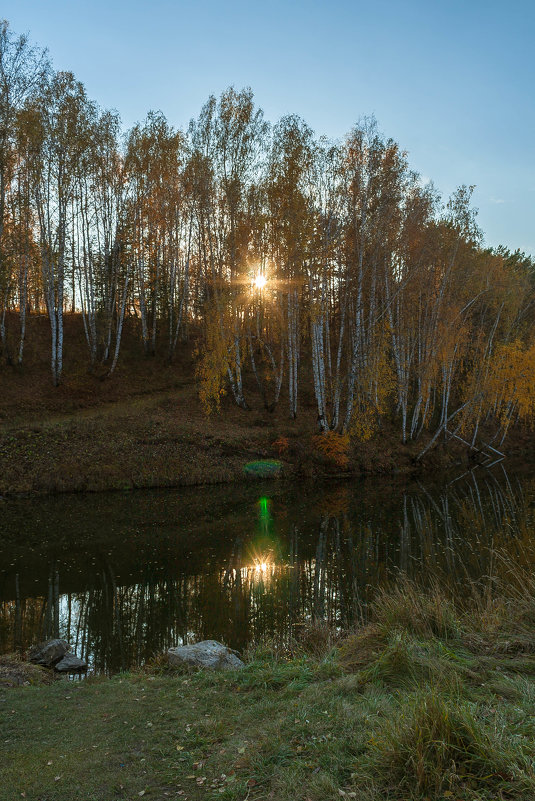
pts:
pixel 123 577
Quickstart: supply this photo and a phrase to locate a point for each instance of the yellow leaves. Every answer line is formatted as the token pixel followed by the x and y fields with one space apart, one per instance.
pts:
pixel 210 372
pixel 503 385
pixel 376 387
pixel 364 422
pixel 512 379
pixel 451 336
pixel 333 447
pixel 213 364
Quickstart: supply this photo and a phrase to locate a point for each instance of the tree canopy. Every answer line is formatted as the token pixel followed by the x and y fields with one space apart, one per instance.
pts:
pixel 295 259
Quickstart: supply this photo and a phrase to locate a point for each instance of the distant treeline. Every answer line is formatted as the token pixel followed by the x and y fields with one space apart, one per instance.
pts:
pixel 298 258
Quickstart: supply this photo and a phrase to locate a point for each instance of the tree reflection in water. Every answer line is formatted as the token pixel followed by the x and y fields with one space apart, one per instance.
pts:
pixel 125 577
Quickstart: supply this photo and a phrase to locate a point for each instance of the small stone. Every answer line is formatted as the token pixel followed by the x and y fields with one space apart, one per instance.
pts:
pixel 208 654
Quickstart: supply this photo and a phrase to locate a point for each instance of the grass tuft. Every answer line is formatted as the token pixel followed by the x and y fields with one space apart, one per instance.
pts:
pixel 437 744
pixel 405 607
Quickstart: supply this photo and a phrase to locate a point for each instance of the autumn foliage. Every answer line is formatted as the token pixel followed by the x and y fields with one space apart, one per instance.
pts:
pixel 333 447
pixel 281 445
pixel 303 267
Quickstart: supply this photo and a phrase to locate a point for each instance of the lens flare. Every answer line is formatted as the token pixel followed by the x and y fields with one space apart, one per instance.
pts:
pixel 260 281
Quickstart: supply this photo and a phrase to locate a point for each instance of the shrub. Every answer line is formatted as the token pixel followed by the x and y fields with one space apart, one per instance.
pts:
pixel 333 447
pixel 281 445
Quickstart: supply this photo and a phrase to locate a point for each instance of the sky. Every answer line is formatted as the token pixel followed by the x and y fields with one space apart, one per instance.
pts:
pixel 453 82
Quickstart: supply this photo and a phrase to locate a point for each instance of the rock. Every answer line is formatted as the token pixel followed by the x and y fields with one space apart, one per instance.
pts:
pixel 56 654
pixel 208 654
pixel 48 653
pixel 71 664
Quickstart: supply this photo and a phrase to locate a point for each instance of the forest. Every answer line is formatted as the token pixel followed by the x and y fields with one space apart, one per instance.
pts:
pixel 299 263
pixel 258 535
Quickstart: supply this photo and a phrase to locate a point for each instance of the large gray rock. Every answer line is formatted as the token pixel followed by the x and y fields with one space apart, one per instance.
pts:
pixel 208 654
pixel 71 664
pixel 48 653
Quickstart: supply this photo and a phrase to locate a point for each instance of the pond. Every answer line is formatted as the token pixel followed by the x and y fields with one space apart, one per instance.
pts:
pixel 125 576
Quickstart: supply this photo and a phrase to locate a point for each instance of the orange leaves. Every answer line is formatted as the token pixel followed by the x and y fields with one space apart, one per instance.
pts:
pixel 333 447
pixel 511 380
pixel 281 445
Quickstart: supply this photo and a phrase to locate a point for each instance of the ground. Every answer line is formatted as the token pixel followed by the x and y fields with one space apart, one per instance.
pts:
pixel 423 702
pixel 145 426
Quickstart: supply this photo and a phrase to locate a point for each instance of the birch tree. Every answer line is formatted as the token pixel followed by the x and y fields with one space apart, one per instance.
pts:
pixel 22 71
pixel 59 138
pixel 291 223
pixel 226 142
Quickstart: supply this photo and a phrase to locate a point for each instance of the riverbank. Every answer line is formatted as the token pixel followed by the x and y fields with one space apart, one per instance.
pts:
pixel 145 427
pixel 428 700
pixel 163 439
pixel 91 436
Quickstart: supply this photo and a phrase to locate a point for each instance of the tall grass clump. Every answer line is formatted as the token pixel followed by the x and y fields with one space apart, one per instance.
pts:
pixel 400 619
pixel 438 745
pixel 424 613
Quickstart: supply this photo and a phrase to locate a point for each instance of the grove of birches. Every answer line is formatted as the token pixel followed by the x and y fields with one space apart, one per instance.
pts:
pixel 379 297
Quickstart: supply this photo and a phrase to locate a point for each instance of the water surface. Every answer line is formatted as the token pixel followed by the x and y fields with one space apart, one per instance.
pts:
pixel 125 576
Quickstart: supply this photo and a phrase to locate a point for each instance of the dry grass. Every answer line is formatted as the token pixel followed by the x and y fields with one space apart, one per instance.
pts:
pixel 15 672
pixel 441 746
pixel 145 427
pixel 412 706
pixel 315 638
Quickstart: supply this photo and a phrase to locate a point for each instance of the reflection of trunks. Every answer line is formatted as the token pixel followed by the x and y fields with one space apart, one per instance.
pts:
pixel 123 577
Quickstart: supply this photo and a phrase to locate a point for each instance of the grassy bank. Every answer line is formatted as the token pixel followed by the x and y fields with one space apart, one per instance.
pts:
pixel 430 699
pixel 162 439
pixel 145 427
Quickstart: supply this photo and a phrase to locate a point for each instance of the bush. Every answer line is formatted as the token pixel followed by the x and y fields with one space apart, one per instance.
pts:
pixel 333 447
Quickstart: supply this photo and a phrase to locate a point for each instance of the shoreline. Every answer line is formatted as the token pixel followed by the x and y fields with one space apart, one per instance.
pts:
pixel 99 438
pixel 45 479
pixel 144 444
pixel 145 428
pixel 425 682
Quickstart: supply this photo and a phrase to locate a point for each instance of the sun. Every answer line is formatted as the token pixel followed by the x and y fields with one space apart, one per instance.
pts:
pixel 260 281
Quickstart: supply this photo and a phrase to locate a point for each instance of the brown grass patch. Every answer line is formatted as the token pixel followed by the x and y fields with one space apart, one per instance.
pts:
pixel 15 672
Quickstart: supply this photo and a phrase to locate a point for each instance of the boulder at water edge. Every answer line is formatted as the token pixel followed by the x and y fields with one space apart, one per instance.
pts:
pixel 71 664
pixel 48 653
pixel 56 654
pixel 208 654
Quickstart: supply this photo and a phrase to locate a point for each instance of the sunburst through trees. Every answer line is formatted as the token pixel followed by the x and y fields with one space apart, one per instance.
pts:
pixel 297 261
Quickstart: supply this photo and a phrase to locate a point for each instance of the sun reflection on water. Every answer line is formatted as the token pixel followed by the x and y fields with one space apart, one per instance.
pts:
pixel 261 567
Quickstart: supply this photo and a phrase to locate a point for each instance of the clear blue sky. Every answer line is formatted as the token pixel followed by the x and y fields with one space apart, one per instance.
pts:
pixel 453 82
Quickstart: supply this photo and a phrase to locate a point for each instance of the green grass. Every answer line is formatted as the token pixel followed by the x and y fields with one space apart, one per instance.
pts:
pixel 424 702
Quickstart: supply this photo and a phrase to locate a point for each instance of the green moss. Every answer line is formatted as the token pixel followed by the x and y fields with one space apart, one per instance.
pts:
pixel 263 468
